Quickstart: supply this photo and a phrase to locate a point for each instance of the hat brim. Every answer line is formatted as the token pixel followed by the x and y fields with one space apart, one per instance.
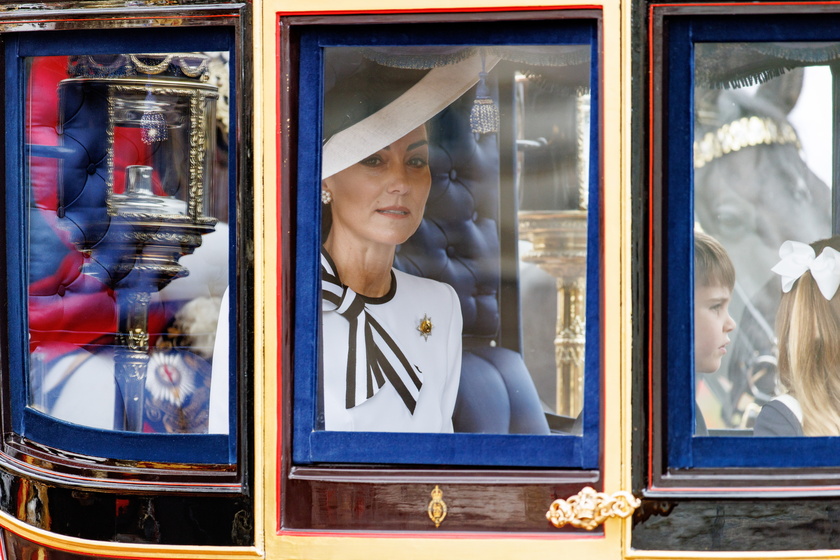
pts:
pixel 430 95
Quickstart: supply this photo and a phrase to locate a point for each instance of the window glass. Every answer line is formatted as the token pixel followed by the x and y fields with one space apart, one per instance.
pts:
pixel 458 215
pixel 762 176
pixel 756 224
pixel 120 243
pixel 368 206
pixel 552 182
pixel 127 242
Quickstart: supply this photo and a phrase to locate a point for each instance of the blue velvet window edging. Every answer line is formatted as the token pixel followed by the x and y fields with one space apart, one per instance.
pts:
pixel 211 449
pixel 683 449
pixel 171 448
pixel 311 445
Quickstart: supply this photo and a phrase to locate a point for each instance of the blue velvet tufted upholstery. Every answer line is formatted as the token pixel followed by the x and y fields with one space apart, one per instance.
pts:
pixel 85 163
pixel 458 240
pixel 458 243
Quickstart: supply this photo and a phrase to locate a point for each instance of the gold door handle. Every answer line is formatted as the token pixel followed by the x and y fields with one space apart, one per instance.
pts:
pixel 589 508
pixel 437 507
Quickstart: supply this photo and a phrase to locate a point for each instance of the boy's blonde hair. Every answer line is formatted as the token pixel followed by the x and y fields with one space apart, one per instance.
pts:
pixel 712 265
pixel 808 329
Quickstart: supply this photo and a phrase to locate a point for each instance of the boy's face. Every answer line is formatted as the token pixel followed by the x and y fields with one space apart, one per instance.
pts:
pixel 712 325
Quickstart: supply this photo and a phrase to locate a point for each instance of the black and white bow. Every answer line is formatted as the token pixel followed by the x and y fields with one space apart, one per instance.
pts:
pixel 373 356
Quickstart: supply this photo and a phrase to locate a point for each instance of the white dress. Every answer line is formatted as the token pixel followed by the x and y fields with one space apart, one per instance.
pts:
pixel 437 358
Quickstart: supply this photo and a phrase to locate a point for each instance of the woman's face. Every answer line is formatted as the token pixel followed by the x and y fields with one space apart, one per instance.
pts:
pixel 380 200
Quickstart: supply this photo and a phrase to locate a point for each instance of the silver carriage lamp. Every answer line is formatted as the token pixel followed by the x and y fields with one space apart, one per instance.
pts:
pixel 138 133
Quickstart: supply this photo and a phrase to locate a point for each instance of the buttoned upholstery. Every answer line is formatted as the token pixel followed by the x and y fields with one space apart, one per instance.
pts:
pixel 458 243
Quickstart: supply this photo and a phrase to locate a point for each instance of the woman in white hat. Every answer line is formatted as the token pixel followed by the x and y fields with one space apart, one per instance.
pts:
pixel 391 341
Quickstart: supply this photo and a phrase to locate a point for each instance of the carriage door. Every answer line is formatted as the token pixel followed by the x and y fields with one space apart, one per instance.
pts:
pixel 126 320
pixel 522 221
pixel 741 133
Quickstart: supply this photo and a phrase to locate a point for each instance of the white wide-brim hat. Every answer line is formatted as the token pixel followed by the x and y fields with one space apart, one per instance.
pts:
pixel 436 90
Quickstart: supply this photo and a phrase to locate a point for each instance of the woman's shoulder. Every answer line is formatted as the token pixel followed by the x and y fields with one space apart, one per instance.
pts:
pixel 418 284
pixel 779 417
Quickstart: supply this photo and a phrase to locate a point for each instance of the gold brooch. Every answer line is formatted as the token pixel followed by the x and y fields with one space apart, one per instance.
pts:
pixel 425 327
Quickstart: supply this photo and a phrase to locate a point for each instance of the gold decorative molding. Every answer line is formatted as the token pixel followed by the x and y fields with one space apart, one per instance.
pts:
pixel 437 507
pixel 739 134
pixel 589 508
pixel 197 94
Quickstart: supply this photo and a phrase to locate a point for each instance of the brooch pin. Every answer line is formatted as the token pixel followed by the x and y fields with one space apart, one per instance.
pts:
pixel 425 327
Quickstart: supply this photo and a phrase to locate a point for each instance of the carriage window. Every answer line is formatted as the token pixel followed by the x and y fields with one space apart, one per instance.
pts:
pixel 457 274
pixel 755 238
pixel 445 220
pixel 126 246
pixel 762 170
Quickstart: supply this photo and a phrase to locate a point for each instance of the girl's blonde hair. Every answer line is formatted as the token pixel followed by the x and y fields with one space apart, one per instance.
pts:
pixel 808 327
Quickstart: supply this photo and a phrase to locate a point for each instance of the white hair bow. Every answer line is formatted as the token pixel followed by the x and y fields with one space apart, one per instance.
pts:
pixel 799 257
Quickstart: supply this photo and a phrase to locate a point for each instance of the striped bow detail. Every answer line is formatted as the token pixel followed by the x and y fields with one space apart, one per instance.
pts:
pixel 373 355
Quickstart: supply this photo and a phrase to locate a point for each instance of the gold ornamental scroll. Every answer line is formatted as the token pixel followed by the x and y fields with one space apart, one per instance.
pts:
pixel 588 508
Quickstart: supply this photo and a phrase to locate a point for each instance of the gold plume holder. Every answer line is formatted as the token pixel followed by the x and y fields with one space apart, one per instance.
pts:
pixel 559 247
pixel 589 508
pixel 437 507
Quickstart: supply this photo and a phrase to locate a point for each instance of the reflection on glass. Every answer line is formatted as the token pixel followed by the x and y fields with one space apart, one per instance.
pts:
pixel 762 169
pixel 553 187
pixel 127 240
pixel 455 194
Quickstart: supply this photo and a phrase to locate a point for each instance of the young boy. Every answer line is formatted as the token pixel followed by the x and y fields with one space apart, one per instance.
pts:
pixel 714 280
